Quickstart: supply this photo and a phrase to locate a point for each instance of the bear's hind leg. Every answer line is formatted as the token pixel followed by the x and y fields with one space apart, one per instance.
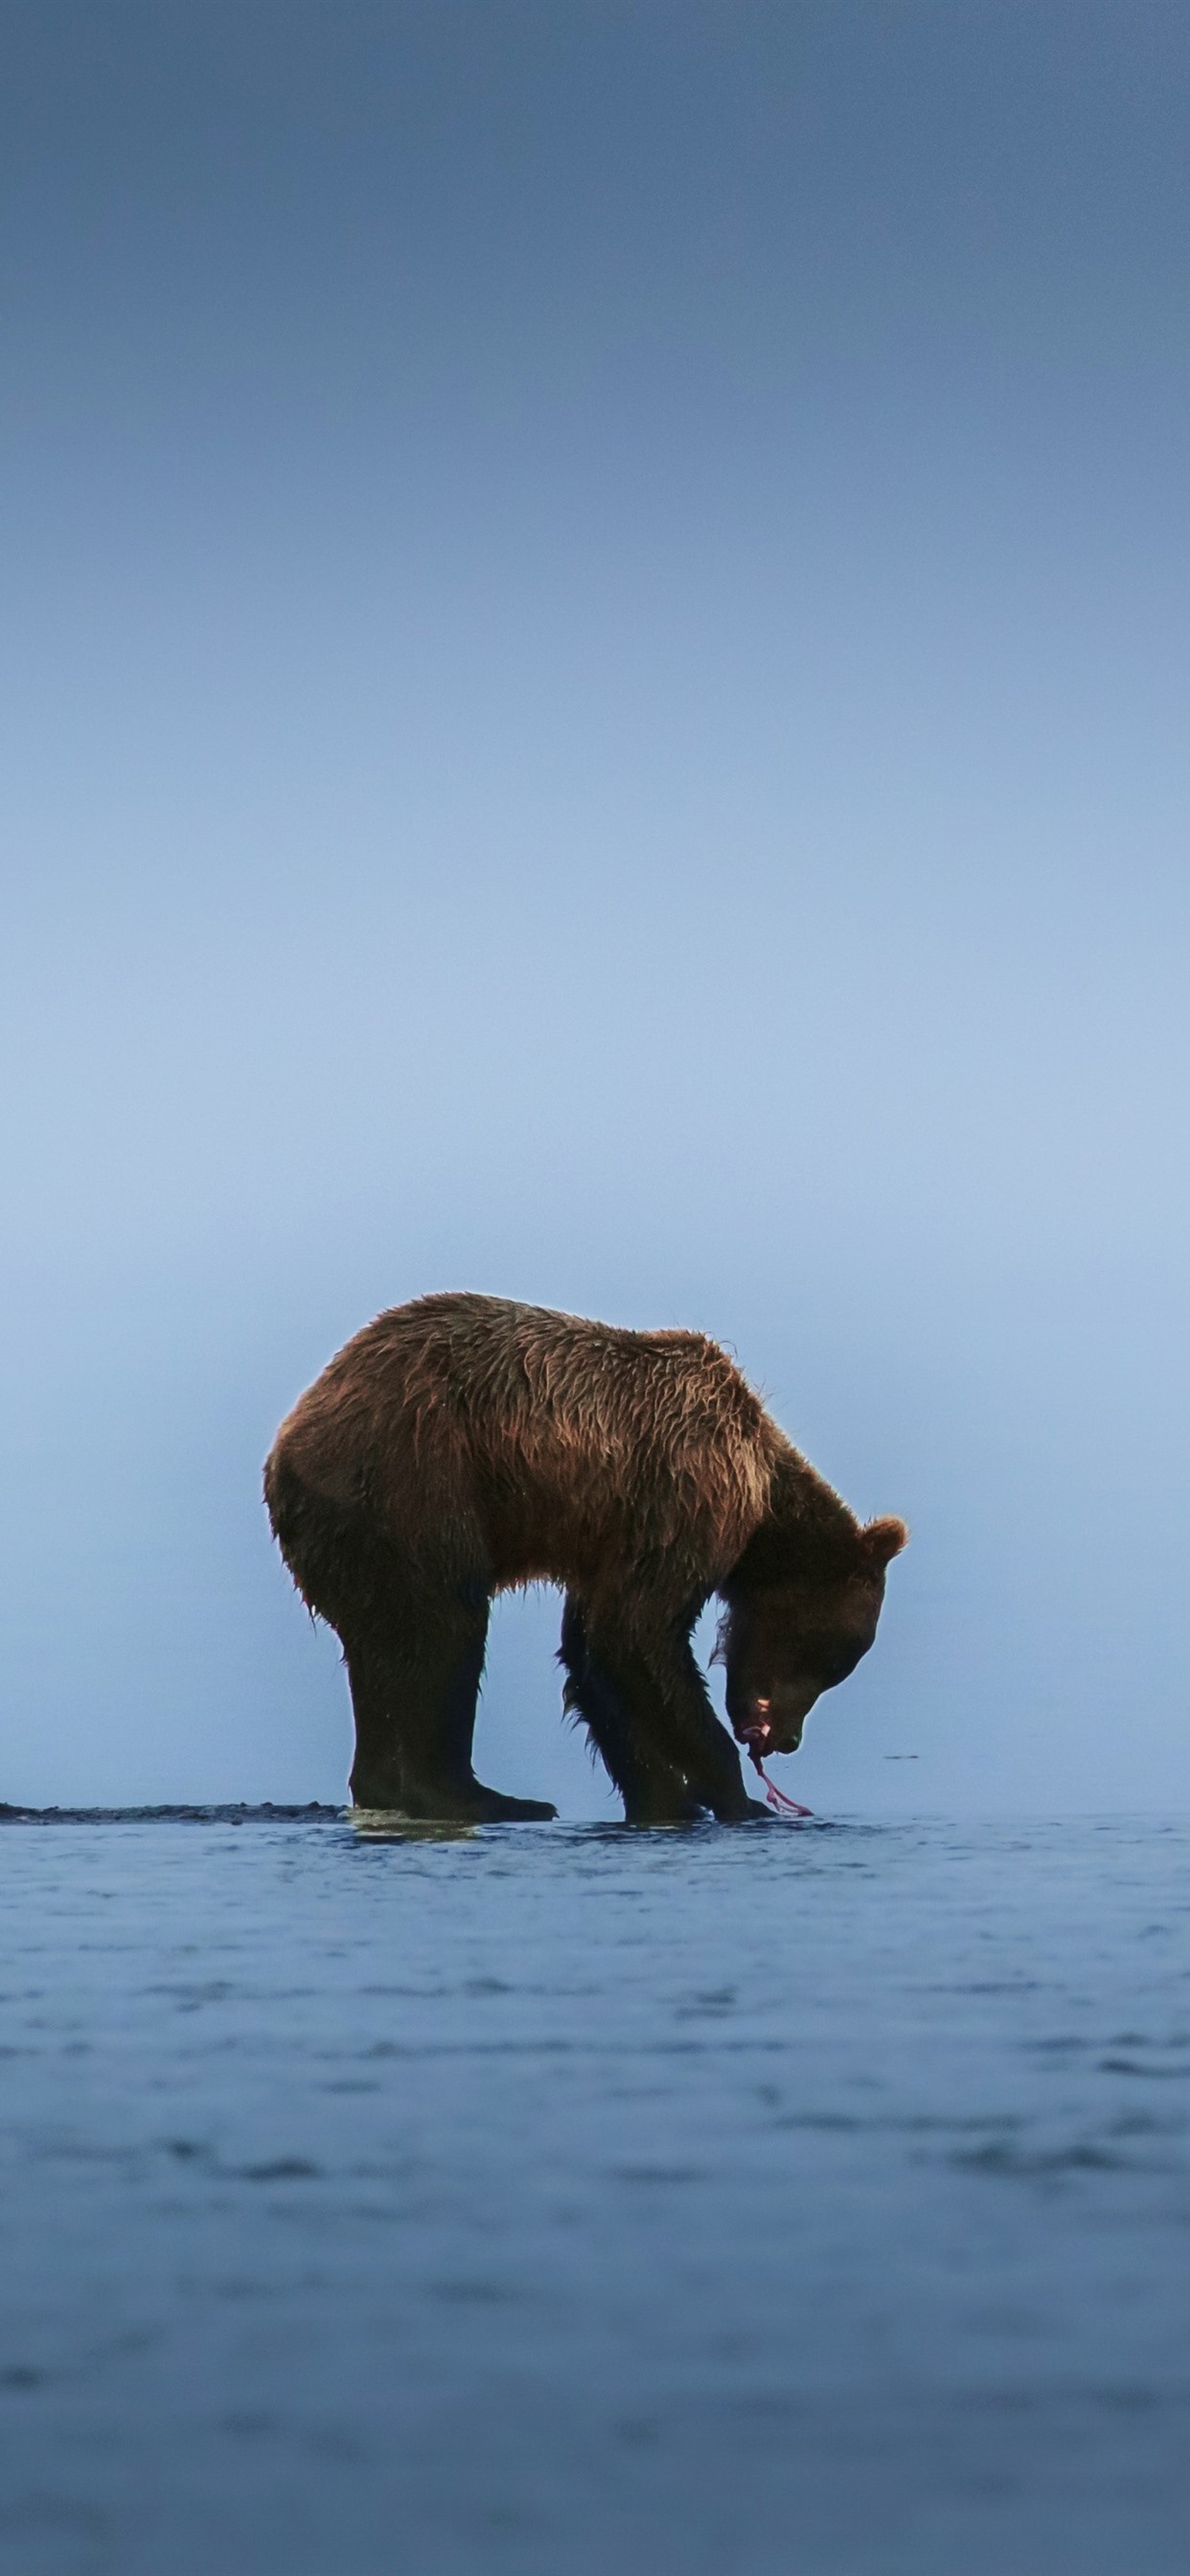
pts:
pixel 610 1689
pixel 414 1686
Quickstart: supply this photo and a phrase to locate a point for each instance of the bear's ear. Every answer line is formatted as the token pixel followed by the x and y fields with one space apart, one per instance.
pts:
pixel 885 1539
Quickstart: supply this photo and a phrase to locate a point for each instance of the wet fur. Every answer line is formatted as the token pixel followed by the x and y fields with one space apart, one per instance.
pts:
pixel 463 1445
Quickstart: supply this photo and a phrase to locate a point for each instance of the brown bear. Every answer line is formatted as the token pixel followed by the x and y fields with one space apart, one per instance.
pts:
pixel 462 1445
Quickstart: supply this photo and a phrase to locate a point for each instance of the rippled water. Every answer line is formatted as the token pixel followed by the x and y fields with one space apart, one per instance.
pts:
pixel 555 2200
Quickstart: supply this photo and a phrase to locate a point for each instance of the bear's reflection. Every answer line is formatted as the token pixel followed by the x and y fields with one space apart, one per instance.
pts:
pixel 381 1825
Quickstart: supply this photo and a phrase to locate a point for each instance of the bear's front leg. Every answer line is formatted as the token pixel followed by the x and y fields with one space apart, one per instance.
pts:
pixel 707 1751
pixel 611 1694
pixel 635 1683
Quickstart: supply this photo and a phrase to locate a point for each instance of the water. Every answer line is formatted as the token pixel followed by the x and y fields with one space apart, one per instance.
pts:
pixel 551 2200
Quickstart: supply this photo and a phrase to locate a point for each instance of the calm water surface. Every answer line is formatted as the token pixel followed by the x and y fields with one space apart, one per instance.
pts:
pixel 559 2199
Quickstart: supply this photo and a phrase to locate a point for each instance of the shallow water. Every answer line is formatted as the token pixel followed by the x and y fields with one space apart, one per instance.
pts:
pixel 557 2199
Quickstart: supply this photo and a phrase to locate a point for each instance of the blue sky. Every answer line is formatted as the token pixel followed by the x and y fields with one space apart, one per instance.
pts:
pixel 595 681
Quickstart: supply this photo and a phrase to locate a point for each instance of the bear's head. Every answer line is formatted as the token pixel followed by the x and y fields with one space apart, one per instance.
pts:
pixel 787 1637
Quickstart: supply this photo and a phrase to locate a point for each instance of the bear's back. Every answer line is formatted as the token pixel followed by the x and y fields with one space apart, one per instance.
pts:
pixel 568 1449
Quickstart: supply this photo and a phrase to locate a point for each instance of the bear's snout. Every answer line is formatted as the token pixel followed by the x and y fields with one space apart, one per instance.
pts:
pixel 789 1713
pixel 774 1724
